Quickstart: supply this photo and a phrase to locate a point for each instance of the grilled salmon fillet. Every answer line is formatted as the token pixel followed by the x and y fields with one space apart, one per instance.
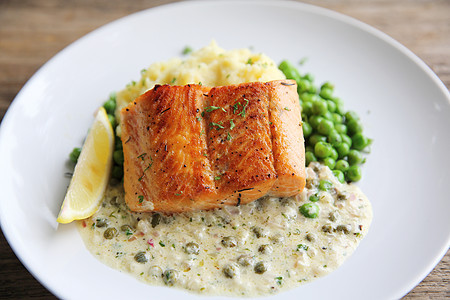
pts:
pixel 193 147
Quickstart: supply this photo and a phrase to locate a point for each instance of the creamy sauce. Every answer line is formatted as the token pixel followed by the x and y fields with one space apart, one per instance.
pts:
pixel 256 249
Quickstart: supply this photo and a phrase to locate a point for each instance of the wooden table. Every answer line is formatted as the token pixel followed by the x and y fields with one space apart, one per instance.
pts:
pixel 31 32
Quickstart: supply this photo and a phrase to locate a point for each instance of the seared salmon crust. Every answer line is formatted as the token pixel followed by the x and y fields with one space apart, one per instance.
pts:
pixel 193 147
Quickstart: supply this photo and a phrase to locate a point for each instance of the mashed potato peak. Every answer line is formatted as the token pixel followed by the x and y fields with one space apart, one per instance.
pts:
pixel 210 66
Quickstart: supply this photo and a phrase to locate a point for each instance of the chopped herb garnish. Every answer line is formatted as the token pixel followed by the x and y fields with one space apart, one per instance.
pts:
pixel 287 108
pixel 217 178
pixel 143 71
pixel 212 108
pixel 217 125
pixel 279 280
pixel 199 118
pixel 148 167
pixel 202 132
pixel 141 198
pixel 181 193
pixel 173 80
pixel 228 136
pixel 302 247
pixel 242 113
pixel 231 124
pixel 142 156
pixel 161 244
pixel 250 61
pixel 200 83
pixel 187 50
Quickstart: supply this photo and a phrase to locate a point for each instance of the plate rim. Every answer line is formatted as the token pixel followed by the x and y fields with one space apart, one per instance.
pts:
pixel 309 8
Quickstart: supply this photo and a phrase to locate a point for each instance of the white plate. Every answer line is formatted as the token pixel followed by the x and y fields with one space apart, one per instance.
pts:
pixel 404 106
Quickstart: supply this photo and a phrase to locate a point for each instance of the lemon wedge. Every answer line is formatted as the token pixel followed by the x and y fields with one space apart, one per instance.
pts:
pixel 91 174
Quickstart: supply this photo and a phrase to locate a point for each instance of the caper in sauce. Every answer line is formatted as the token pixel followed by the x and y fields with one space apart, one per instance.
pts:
pixel 170 277
pixel 110 233
pixel 344 228
pixel 192 248
pixel 141 257
pixel 230 270
pixel 327 228
pixel 126 228
pixel 260 267
pixel 310 237
pixel 156 219
pixel 265 249
pixel 100 222
pixel 259 231
pixel 245 260
pixel 333 216
pixel 229 241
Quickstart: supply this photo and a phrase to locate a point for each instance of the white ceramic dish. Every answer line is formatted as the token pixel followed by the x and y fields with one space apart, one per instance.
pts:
pixel 405 108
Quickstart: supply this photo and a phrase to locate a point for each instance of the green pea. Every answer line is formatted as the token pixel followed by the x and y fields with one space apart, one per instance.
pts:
pixel 339 175
pixel 354 157
pixel 342 149
pixel 309 148
pixel 326 93
pixel 309 77
pixel 351 115
pixel 315 138
pixel 354 126
pixel 334 138
pixel 306 97
pixel 346 139
pixel 118 143
pixel 334 155
pixel 322 149
pixel 112 120
pixel 328 161
pixel 289 70
pixel 314 198
pixel 360 141
pixel 354 173
pixel 340 108
pixel 110 106
pixel 331 106
pixel 341 128
pixel 325 126
pixel 325 185
pixel 337 119
pixel 327 85
pixel 329 116
pixel 73 156
pixel 118 157
pixel 309 157
pixel 309 210
pixel 342 165
pixel 117 172
pixel 303 86
pixel 307 107
pixel 319 107
pixel 307 129
pixel 315 120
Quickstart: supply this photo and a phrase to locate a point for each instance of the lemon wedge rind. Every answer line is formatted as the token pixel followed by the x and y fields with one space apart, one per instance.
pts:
pixel 92 171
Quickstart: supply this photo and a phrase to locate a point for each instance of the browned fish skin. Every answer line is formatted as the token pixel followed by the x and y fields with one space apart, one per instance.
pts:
pixel 167 168
pixel 241 152
pixel 191 147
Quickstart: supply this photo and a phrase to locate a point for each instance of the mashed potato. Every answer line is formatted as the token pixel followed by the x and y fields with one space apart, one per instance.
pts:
pixel 210 66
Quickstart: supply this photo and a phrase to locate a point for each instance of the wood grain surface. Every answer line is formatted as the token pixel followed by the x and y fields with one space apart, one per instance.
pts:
pixel 31 32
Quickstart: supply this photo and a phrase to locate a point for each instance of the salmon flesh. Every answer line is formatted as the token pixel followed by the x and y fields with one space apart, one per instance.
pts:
pixel 196 148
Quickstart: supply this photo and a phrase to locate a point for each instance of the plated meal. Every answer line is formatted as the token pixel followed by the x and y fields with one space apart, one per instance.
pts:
pixel 230 175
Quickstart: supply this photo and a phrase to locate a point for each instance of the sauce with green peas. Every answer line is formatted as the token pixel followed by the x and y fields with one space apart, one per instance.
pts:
pixel 261 248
